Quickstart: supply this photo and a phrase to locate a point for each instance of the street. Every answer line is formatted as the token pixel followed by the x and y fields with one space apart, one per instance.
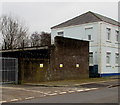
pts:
pixel 104 95
pixel 12 93
pixel 102 92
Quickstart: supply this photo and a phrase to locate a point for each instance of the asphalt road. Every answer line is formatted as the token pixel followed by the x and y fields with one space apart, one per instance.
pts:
pixel 103 95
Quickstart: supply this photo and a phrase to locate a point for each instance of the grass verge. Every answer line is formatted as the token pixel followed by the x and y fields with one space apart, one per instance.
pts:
pixel 75 82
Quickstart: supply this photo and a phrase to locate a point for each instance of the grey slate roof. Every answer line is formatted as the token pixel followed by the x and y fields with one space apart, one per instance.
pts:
pixel 87 17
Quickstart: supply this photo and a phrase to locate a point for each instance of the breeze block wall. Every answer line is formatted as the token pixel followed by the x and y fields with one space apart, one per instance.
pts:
pixel 69 59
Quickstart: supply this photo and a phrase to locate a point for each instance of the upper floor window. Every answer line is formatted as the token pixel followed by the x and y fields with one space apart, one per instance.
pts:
pixel 117 35
pixel 61 33
pixel 108 33
pixel 89 33
pixel 89 37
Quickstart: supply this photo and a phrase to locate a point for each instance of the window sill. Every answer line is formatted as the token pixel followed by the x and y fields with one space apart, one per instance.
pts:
pixel 91 65
pixel 108 65
pixel 91 40
pixel 116 65
pixel 117 42
pixel 109 41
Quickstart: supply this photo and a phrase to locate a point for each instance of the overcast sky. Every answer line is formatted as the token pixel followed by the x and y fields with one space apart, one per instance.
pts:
pixel 40 16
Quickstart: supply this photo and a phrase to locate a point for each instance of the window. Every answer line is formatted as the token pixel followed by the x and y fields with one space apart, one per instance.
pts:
pixel 77 65
pixel 89 33
pixel 61 65
pixel 89 37
pixel 41 65
pixel 116 58
pixel 91 58
pixel 108 33
pixel 60 33
pixel 117 35
pixel 108 56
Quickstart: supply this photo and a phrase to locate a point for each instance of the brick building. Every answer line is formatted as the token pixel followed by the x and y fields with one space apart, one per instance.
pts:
pixel 66 59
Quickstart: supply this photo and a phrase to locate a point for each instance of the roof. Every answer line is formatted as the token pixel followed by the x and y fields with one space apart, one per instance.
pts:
pixel 25 49
pixel 87 17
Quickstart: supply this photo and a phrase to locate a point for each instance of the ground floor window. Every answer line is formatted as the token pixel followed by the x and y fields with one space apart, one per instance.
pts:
pixel 108 56
pixel 116 58
pixel 91 58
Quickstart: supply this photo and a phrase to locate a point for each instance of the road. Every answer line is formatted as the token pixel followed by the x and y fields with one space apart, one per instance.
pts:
pixel 86 93
pixel 103 95
pixel 13 93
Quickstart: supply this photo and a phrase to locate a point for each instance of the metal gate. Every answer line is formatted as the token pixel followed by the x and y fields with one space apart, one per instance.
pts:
pixel 9 70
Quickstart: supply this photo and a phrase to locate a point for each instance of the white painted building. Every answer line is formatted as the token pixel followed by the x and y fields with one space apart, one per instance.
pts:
pixel 103 35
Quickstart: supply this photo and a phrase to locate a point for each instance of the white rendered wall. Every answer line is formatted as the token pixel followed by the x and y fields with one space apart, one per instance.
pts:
pixel 78 32
pixel 109 46
pixel 99 44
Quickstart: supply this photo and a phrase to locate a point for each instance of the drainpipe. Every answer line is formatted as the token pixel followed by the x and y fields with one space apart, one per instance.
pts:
pixel 100 62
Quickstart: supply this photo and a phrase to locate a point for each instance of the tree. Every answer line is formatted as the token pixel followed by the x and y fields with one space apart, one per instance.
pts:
pixel 14 34
pixel 40 39
pixel 35 39
pixel 45 38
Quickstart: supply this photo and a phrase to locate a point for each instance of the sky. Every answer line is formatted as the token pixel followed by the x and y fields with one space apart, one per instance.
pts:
pixel 41 16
